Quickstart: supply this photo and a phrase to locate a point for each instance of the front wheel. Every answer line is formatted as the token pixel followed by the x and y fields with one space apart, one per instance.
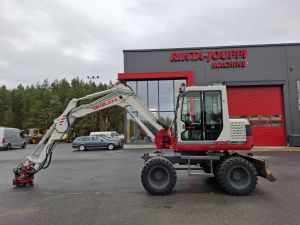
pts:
pixel 237 176
pixel 158 176
pixel 24 145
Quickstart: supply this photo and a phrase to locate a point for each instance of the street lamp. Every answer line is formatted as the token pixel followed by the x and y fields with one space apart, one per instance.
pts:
pixel 93 115
pixel 93 78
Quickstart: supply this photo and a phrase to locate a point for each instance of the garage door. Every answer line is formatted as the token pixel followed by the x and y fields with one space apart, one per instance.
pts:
pixel 263 106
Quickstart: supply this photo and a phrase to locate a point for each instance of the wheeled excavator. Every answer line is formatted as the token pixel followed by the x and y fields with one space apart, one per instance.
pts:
pixel 201 140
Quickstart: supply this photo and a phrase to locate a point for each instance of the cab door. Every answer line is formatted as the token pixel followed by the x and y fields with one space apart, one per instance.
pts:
pixel 201 118
pixel 212 116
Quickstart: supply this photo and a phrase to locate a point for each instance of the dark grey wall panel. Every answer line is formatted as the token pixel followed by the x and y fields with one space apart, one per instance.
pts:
pixel 268 62
pixel 293 73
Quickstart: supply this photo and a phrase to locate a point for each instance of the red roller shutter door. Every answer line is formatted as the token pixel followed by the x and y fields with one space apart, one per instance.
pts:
pixel 263 106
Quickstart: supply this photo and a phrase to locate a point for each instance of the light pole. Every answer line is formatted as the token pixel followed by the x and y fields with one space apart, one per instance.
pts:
pixel 93 79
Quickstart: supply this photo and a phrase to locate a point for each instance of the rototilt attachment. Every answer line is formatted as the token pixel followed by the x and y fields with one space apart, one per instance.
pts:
pixel 24 175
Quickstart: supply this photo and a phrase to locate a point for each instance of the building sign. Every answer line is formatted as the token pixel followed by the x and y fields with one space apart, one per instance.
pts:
pixel 234 58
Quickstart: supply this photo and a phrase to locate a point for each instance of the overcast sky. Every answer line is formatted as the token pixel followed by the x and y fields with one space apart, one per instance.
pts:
pixel 48 39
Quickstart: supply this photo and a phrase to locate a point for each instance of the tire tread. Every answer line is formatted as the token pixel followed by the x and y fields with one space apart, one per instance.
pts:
pixel 220 175
pixel 173 175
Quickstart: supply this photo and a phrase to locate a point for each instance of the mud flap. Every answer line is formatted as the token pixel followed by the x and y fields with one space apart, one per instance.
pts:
pixel 262 167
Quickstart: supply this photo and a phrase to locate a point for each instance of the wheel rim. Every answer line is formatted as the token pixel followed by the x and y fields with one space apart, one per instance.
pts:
pixel 159 177
pixel 239 177
pixel 81 147
pixel 110 147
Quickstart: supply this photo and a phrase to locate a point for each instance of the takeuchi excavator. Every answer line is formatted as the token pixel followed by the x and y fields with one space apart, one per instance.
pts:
pixel 200 140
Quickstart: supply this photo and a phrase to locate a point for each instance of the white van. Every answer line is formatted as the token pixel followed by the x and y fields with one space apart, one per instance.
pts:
pixel 11 138
pixel 109 134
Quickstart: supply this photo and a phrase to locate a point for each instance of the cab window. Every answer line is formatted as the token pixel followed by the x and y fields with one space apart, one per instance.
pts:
pixel 192 116
pixel 202 115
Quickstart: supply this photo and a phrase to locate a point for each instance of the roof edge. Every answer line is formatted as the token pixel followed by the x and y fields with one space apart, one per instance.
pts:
pixel 209 47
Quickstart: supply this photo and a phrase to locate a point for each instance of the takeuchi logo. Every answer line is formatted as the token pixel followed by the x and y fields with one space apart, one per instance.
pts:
pixel 225 58
pixel 104 104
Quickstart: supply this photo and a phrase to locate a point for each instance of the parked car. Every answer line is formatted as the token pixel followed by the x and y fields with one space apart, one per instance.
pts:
pixel 12 138
pixel 94 142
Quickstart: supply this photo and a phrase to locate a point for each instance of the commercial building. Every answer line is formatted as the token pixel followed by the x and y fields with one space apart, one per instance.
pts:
pixel 263 84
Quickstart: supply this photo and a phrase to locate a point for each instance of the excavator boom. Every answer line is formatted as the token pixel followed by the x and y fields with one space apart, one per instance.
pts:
pixel 119 95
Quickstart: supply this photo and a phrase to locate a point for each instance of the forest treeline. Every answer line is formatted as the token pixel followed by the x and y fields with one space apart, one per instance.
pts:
pixel 36 106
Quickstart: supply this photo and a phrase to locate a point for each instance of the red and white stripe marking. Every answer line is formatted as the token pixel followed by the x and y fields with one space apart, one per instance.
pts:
pixel 62 120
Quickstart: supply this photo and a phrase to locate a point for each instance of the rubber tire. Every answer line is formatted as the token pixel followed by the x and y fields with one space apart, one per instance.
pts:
pixel 8 147
pixel 217 166
pixel 167 166
pixel 24 145
pixel 81 148
pixel 223 177
pixel 110 147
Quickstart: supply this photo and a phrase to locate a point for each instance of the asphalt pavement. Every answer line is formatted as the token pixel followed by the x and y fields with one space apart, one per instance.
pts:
pixel 103 187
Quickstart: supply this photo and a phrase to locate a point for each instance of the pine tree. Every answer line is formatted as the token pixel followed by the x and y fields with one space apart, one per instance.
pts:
pixel 36 106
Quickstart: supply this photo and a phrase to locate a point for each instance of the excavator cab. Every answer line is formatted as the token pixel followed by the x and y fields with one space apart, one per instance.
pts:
pixel 203 121
pixel 201 117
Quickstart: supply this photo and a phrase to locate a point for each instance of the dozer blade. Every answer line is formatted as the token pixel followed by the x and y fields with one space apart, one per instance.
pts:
pixel 262 168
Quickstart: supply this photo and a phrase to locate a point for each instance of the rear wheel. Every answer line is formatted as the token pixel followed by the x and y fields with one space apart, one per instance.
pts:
pixel 24 145
pixel 237 176
pixel 158 176
pixel 110 147
pixel 8 147
pixel 81 148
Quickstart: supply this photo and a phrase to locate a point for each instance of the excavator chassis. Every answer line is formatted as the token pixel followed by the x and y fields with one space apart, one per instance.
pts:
pixel 235 173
